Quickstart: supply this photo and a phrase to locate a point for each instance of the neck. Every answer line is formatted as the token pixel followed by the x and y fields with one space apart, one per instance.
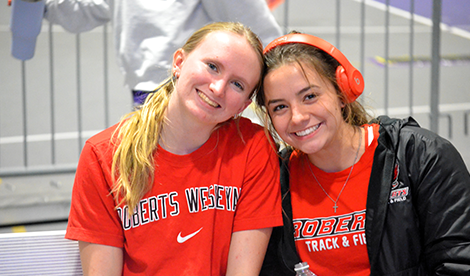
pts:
pixel 182 135
pixel 341 154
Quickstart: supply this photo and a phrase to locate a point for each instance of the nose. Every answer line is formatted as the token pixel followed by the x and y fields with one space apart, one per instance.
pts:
pixel 298 114
pixel 218 87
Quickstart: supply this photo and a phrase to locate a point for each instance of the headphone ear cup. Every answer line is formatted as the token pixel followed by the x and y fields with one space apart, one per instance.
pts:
pixel 351 90
pixel 343 83
pixel 356 83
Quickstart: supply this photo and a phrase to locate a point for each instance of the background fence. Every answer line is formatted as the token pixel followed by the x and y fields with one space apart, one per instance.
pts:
pixel 414 56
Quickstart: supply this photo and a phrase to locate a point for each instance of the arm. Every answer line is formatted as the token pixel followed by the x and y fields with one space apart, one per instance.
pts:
pixel 443 205
pixel 252 13
pixel 258 208
pixel 100 243
pixel 247 250
pixel 78 16
pixel 100 259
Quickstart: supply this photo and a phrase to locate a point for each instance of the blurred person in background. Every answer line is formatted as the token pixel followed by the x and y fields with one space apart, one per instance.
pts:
pixel 147 33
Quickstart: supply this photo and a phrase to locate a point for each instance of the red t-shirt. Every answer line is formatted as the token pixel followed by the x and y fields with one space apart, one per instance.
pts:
pixel 332 243
pixel 183 225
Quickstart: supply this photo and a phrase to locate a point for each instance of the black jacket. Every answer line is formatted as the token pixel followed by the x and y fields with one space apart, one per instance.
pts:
pixel 418 207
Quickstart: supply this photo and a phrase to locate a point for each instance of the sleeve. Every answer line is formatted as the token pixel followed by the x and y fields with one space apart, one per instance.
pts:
pixel 93 217
pixel 252 13
pixel 78 15
pixel 259 205
pixel 443 203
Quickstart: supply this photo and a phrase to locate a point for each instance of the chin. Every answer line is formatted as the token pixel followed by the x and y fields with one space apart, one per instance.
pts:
pixel 307 149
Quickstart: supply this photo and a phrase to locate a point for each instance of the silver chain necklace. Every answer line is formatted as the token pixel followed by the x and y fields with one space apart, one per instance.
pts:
pixel 346 182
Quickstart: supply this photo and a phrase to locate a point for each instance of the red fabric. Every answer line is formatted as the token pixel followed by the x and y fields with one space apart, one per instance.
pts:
pixel 273 4
pixel 212 177
pixel 332 243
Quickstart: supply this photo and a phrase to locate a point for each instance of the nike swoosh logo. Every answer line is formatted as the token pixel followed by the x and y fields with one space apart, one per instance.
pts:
pixel 185 238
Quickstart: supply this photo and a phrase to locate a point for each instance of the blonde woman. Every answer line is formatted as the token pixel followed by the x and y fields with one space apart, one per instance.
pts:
pixel 183 186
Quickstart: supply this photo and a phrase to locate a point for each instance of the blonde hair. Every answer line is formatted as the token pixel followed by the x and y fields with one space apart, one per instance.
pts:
pixel 306 55
pixel 133 165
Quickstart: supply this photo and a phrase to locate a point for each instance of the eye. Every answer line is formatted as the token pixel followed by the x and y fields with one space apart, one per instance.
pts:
pixel 279 107
pixel 310 97
pixel 212 66
pixel 238 85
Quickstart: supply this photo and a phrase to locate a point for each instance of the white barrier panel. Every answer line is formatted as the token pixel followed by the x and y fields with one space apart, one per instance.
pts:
pixel 39 253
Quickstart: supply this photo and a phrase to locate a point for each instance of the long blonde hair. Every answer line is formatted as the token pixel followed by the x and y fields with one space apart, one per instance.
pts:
pixel 139 133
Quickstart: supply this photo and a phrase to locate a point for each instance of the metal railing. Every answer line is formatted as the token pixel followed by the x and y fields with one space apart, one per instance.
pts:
pixel 9 142
pixel 25 112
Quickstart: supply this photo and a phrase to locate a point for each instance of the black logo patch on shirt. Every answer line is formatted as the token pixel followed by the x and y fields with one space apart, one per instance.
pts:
pixel 399 192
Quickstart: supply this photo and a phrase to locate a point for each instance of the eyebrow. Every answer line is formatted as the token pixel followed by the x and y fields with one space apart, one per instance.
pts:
pixel 214 58
pixel 303 90
pixel 274 101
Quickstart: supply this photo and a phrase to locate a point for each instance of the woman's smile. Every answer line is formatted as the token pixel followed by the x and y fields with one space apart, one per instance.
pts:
pixel 215 82
pixel 206 99
pixel 307 131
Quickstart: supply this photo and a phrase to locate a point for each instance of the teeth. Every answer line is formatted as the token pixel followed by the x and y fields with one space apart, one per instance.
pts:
pixel 307 131
pixel 207 100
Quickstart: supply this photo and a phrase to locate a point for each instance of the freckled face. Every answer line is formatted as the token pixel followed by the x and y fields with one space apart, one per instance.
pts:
pixel 217 77
pixel 305 112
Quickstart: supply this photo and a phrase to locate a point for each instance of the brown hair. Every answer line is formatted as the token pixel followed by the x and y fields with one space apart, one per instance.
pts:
pixel 303 54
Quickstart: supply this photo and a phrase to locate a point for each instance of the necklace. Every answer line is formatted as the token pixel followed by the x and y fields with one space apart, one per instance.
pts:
pixel 347 179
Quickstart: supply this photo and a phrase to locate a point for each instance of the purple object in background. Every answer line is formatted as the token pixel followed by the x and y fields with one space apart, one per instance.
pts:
pixel 455 13
pixel 25 25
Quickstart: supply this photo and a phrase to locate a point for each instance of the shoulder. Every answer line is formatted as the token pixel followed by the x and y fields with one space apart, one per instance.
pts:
pixel 247 125
pixel 103 139
pixel 394 125
pixel 244 138
pixel 243 128
pixel 396 130
pixel 409 130
pixel 412 142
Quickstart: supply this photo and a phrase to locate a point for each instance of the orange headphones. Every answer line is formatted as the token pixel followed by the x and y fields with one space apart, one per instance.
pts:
pixel 349 79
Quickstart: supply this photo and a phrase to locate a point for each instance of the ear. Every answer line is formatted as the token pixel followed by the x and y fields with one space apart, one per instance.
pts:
pixel 342 99
pixel 245 105
pixel 178 60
